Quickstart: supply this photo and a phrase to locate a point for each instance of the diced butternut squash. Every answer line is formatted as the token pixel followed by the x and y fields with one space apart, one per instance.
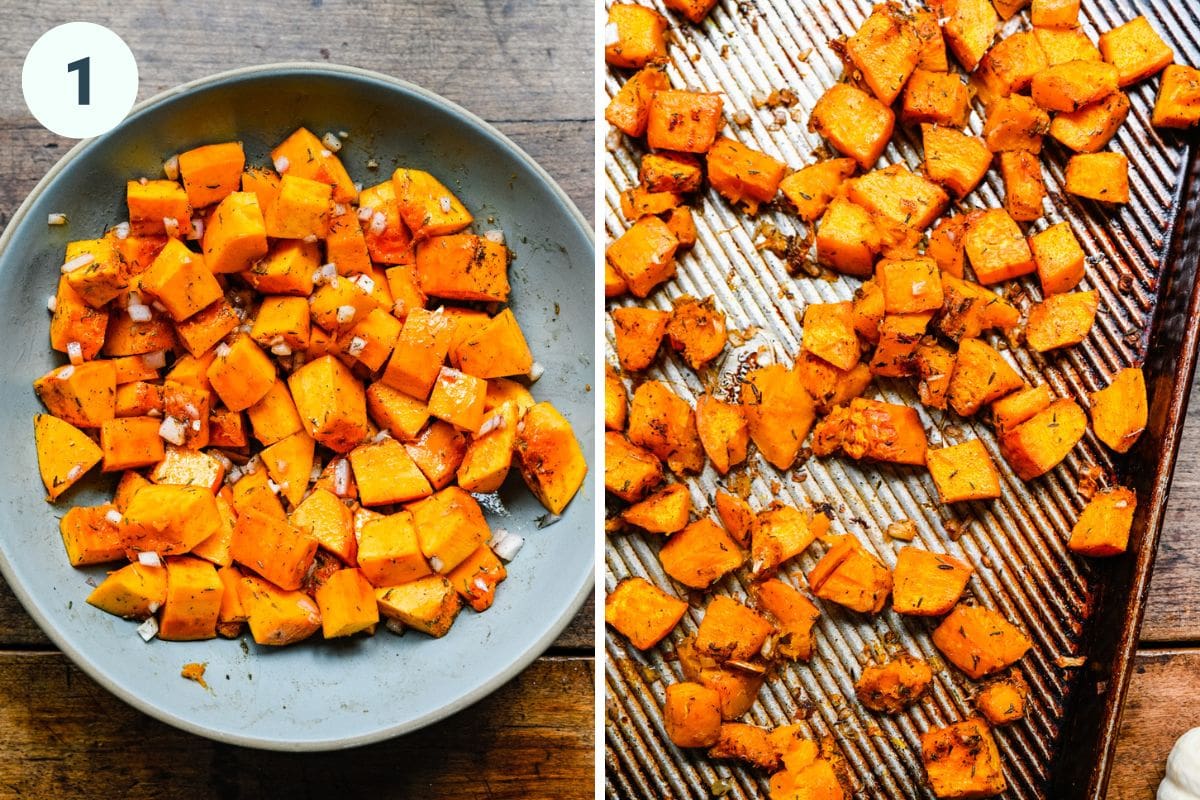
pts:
pixel 634 36
pixel 1011 64
pixel 429 209
pixel 180 280
pixel 810 188
pixel 885 49
pixel 997 248
pixel 488 456
pixel 629 471
pixel 871 429
pixel 329 521
pixel 961 761
pixel 828 385
pixel 963 472
pixel 900 336
pixel 1073 85
pixel 193 601
pixel 893 686
pixel 211 172
pixel 288 269
pixel 1010 411
pixel 104 275
pixel 779 412
pixel 450 526
pixel 1055 13
pixel 793 615
pixel 1061 320
pixel 1060 259
pixel 1178 101
pixel 697 330
pixel 1099 176
pixel 1024 187
pixel 852 577
pixel 980 641
pixel 1015 123
pixel 629 110
pixel 981 375
pixel 687 122
pixel 463 266
pixel 731 631
pixel 347 604
pixel 308 157
pixel 969 30
pixel 1119 410
pixel 438 452
pixel 829 327
pixel 848 238
pixel 700 554
pixel 158 207
pixel 386 473
pixel 736 515
pixel 428 604
pixel 331 403
pixel 549 457
pixel 1040 443
pixel 644 256
pixel 1092 127
pixel 183 467
pixel 954 159
pixel 135 591
pixel 748 743
pixel 497 349
pixel 1003 701
pixel 692 715
pixel 389 552
pixel 476 578
pixel 935 366
pixel 83 395
pixel 242 374
pixel 642 612
pixel 666 511
pixel 743 175
pixel 1103 527
pixel 900 195
pixel 855 123
pixel 940 98
pixel 300 210
pixel 65 453
pixel 927 584
pixel 277 617
pixel 781 533
pixel 90 536
pixel 909 286
pixel 1136 50
pixel 275 549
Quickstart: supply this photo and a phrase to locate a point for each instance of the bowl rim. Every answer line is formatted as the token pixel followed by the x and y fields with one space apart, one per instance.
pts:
pixel 317 744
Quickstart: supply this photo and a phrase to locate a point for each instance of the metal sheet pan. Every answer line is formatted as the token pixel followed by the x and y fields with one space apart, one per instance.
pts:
pixel 1142 261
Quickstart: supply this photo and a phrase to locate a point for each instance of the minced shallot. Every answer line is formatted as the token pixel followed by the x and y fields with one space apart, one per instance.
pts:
pixel 56 219
pixel 171 168
pixel 173 431
pixel 282 164
pixel 149 558
pixel 148 629
pixel 78 262
pixel 75 353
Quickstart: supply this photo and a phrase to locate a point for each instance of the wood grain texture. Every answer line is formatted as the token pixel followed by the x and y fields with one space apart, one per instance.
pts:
pixel 65 737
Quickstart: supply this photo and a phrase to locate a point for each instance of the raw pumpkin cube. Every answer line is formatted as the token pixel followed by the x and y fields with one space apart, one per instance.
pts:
pixel 793 614
pixel 644 256
pixel 157 208
pixel 83 395
pixel 724 432
pixel 847 238
pixel 427 207
pixel 179 280
pixel 779 411
pixel 193 601
pixel 372 338
pixel 131 442
pixel 242 374
pixel 666 511
pixel 497 349
pixel 885 49
pixel 1011 64
pixel 300 210
pixel 1015 123
pixel 954 159
pixel 1055 13
pixel 1178 101
pixel 203 330
pixel 406 291
pixel 401 415
pixel 346 245
pixel 501 391
pixel 634 36
pixel 1119 411
pixel 428 604
pixel 1092 127
pixel 909 286
pixel 388 239
pixel 692 715
pixel 549 457
pixel 253 493
pixel 854 122
pixel 419 353
pixel 438 452
pixel 961 761
pixel 685 122
pixel 629 471
pixel 275 417
pixel 811 188
pixel 476 578
pixel 99 271
pixel 1003 701
pixel 980 641
pixel 190 372
pixel 303 155
pixel 386 473
pixel 331 403
pixel 981 375
pixel 280 552
pixel 629 110
pixel 1063 45
pixel 328 519
pixel 963 472
pixel 936 97
pixel 1099 176
pixel 700 554
pixel 1009 412
pixel 1059 258
pixel 211 172
pixel 638 333
pixel 927 584
pixel 781 533
pixel 232 614
pixel 874 430
pixel 282 320
pixel 463 267
pixel 276 616
pixel 450 526
pixel 169 519
pixel 969 30
pixel 743 175
pixel 1103 527
pixel 263 183
pixel 1061 320
pixel 1039 444
pixel 218 548
pixel 852 577
pixel 458 398
pixel 486 462
pixel 899 195
pixel 289 462
pixel 133 368
pixel 996 247
pixel 467 323
pixel 287 269
pixel 642 612
pixel 135 591
pixel 90 536
pixel 347 604
pixel 1136 50
pixel 1024 187
pixel 1073 85
pixel 731 631
pixel 182 467
pixel 129 485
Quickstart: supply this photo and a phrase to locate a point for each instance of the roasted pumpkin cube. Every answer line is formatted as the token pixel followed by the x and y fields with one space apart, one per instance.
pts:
pixel 277 617
pixel 686 122
pixel 1003 701
pixel 954 159
pixel 1103 527
pixel 476 578
pixel 793 615
pixel 854 123
pixel 135 591
pixel 1073 85
pixel 970 309
pixel 781 533
pixel 300 210
pixel 1060 259
pixel 274 548
pixel 935 366
pixel 1024 187
pixel 389 553
pixel 98 272
pixel 932 53
pixel 1015 123
pixel 1119 410
pixel 969 30
pixel 1136 50
pixel 131 442
pixel 642 612
pixel 331 403
pixel 851 577
pixel 616 402
pixel 997 248
pixel 927 584
pixel 963 472
pixel 1092 127
pixel 731 631
pixel 900 335
pixel 980 641
pixel 936 97
pixel 670 172
pixel 682 224
pixel 829 333
pixel 743 175
pixel 828 385
pixel 211 172
pixel 697 329
pixel 666 511
pixel 1011 64
pixel 848 239
pixel 157 208
pixel 894 685
pixel 1178 101
pixel 549 457
pixel 83 395
pixel 909 286
pixel 1055 13
pixel 700 554
pixel 1009 412
pixel 1063 45
pixel 1099 176
pixel 692 715
pixel 179 280
pixel 629 110
pixel 634 36
pixel 1061 320
pixel 961 761
pixel 809 189
pixel 779 411
pixel 885 49
pixel 427 207
pixel 463 266
pixel 75 322
pixel 427 604
pixel 981 375
pixel 498 349
pixel 629 471
pixel 874 430
pixel 900 195
pixel 638 202
pixel 1040 443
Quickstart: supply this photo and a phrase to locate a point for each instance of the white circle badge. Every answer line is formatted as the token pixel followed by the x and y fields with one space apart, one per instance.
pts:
pixel 80 79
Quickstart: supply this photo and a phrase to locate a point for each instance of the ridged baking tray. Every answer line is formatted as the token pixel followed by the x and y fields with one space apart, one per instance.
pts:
pixel 1142 261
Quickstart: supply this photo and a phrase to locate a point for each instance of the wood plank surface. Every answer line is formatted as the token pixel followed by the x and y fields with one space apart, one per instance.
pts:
pixel 65 737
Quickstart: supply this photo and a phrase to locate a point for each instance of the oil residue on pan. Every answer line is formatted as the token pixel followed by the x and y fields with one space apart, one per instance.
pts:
pixel 1141 261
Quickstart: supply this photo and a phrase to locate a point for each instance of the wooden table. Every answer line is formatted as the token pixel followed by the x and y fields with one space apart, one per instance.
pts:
pixel 524 66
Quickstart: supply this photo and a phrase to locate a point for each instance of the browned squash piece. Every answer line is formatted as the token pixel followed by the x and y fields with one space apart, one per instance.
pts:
pixel 724 432
pixel 663 423
pixel 893 686
pixel 696 329
pixel 642 612
pixel 1103 527
pixel 794 616
pixel 962 761
pixel 700 554
pixel 852 577
pixel 1039 444
pixel 927 584
pixel 665 511
pixel 779 411
pixel 980 641
pixel 1119 410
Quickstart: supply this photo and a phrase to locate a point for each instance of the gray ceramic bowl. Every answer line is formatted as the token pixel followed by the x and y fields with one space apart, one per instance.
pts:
pixel 317 695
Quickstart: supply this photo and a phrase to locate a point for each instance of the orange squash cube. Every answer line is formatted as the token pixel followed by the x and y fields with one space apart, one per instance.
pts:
pixel 103 277
pixel 981 375
pixel 488 457
pixel 979 641
pixel 157 208
pixel 193 601
pixel 885 49
pixel 330 522
pixel 389 553
pixel 287 269
pixel 724 432
pixel 969 30
pixel 847 238
pixel 936 97
pixel 179 280
pixel 1024 187
pixel 1092 127
pixel 1039 444
pixel 306 156
pixel 686 122
pixel 854 122
pixel 135 591
pixel 400 414
pixel 743 175
pixel 1015 123
pixel 781 533
pixel 211 172
pixel 1011 64
pixel 779 412
pixel 263 183
pixel 282 320
pixel 1055 13
pixel 811 188
pixel 962 760
pixel 829 333
pixel 1060 259
pixel 346 244
pixel 629 109
pixel 386 473
pixel 851 577
pixel 549 457
pixel 90 536
pixel 275 549
pixel 300 210
pixel 428 604
pixel 1119 410
pixel 692 715
pixel 1061 320
pixel 202 331
pixel 902 196
pixel 419 353
pixel 463 267
pixel 700 554
pixel 1010 411
pixel 963 472
pixel 83 395
pixel 666 511
pixel 76 321
pixel 899 337
pixel 372 339
pixel 1103 527
pixel 955 160
pixel 450 526
pixel 871 429
pixel 927 584
pixel 909 286
pixel 1178 101
pixel 438 452
pixel 241 374
pixel 644 256
pixel 275 417
pixel 130 442
pixel 497 349
pixel 476 578
pixel 1136 50
pixel 182 467
pixel 1099 176
pixel 1073 85
pixel 427 207
pixel 642 612
pixel 629 470
pixel 347 604
pixel 1066 44
pixel 997 248
pixel 634 36
pixel 388 239
pixel 331 403
pixel 277 617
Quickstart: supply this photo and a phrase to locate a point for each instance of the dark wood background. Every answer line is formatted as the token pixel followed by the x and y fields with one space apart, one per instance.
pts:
pixel 525 66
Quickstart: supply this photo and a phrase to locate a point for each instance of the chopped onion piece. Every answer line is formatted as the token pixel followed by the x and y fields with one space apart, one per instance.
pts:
pixel 149 558
pixel 281 349
pixel 222 459
pixel 154 606
pixel 140 313
pixel 282 164
pixel 154 412
pixel 171 167
pixel 358 187
pixel 173 431
pixel 197 230
pixel 155 360
pixel 378 223
pixel 495 235
pixel 312 237
pixel 536 370
pixel 395 626
pixel 492 423
pixel 326 153
pixel 366 283
pixel 612 34
pixel 343 134
pixel 382 436
pixel 372 164
pixel 338 209
pixel 436 563
pixel 357 346
pixel 508 547
pixel 341 478
pixel 56 219
pixel 196 425
pixel 78 262
pixel 481 585
pixel 222 350
pixel 331 141
pixel 75 353
pixel 66 372
pixel 52 303
pixel 365 213
pixel 113 516
pixel 315 473
pixel 273 486
pixel 497 536
pixel 171 226
pixel 74 472
pixel 192 411
pixel 121 231
pixel 345 314
pixel 444 204
pixel 148 629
